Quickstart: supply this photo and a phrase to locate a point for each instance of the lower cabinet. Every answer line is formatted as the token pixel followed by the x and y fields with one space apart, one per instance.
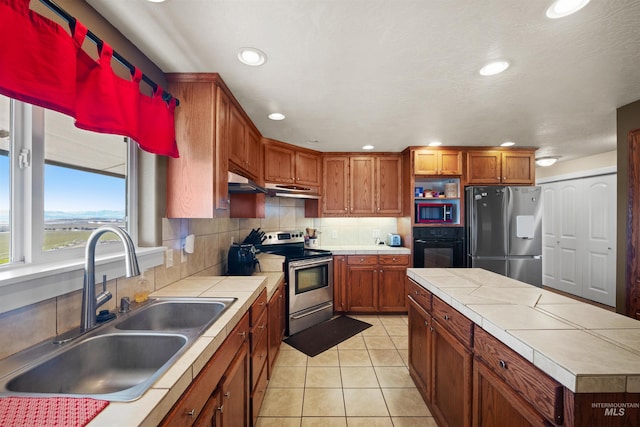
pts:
pixel 277 325
pixel 234 409
pixel 258 321
pixel 420 348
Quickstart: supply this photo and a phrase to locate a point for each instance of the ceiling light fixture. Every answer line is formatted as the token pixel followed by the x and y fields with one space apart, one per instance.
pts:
pixel 562 8
pixel 508 144
pixel 276 116
pixel 156 1
pixel 435 143
pixel 546 161
pixel 252 56
pixel 368 147
pixel 493 68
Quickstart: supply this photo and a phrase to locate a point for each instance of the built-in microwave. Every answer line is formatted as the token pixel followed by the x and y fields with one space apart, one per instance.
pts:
pixel 434 212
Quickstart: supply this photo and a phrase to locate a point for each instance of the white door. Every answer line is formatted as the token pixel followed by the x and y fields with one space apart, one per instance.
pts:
pixel 579 237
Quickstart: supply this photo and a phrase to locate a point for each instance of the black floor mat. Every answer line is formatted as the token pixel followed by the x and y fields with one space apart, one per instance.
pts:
pixel 323 336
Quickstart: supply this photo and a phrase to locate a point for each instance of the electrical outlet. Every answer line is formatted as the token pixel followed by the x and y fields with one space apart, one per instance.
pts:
pixel 183 255
pixel 334 234
pixel 168 258
pixel 375 234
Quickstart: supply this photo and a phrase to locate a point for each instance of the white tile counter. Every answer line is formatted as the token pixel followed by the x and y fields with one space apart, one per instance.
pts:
pixel 585 348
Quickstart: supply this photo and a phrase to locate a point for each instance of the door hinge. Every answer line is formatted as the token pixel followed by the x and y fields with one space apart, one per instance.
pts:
pixel 24 158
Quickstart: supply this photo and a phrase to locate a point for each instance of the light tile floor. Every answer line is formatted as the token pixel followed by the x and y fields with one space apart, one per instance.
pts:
pixel 362 382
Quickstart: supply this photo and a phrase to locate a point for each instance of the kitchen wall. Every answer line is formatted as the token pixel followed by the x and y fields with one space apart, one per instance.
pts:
pixel 578 166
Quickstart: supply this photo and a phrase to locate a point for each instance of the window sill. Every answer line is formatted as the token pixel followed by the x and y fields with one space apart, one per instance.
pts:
pixel 22 286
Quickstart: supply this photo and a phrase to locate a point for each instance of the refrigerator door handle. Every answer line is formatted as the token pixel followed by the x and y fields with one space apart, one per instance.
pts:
pixel 537 257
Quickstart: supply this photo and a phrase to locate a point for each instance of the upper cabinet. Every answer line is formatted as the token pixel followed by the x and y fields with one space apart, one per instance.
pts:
pixel 501 167
pixel 437 162
pixel 362 185
pixel 245 148
pixel 288 164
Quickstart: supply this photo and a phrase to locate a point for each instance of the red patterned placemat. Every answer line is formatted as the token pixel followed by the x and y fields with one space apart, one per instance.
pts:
pixel 53 411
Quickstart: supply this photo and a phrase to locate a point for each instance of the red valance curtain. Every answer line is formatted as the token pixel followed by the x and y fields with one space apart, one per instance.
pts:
pixel 40 63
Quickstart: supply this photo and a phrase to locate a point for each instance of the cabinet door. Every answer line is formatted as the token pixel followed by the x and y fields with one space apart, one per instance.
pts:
pixel 335 172
pixel 308 169
pixel 450 162
pixel 518 167
pixel 391 289
pixel 420 348
pixel 237 144
pixel 362 288
pixel 275 312
pixel 339 283
pixel 235 391
pixel 279 164
pixel 211 415
pixel 221 190
pixel 425 162
pixel 361 185
pixel 253 153
pixel 484 167
pixel 388 185
pixel 451 378
pixel 497 404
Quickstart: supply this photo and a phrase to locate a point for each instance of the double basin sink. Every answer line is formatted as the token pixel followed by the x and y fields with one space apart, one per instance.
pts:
pixel 117 361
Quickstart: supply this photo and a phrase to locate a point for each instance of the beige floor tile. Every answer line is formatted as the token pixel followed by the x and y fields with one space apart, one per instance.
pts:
pixel 405 402
pixel 359 377
pixel 354 343
pixel 278 422
pixel 323 402
pixel 375 331
pixel 404 353
pixel 288 377
pixel 369 318
pixel 292 358
pixel 393 321
pixel 401 331
pixel 369 422
pixel 286 347
pixel 365 402
pixel 324 422
pixel 401 343
pixel 386 358
pixel 379 343
pixel 354 358
pixel 414 422
pixel 323 376
pixel 326 358
pixel 282 402
pixel 394 377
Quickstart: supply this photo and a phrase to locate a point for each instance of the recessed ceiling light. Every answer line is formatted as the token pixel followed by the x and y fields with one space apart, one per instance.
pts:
pixel 368 147
pixel 493 68
pixel 252 56
pixel 546 161
pixel 276 116
pixel 562 8
pixel 156 1
pixel 434 143
pixel 508 144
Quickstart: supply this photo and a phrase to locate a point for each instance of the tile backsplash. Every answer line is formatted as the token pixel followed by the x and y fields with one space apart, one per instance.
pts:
pixel 29 325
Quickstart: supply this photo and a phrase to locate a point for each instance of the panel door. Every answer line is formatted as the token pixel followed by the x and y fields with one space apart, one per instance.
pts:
pixel 308 169
pixel 362 289
pixel 389 185
pixel 484 167
pixel 335 185
pixel 278 164
pixel 237 143
pixel 568 238
pixel 550 242
pixel 361 185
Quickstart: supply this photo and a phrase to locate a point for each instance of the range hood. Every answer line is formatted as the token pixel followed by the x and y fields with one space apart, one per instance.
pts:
pixel 292 191
pixel 240 184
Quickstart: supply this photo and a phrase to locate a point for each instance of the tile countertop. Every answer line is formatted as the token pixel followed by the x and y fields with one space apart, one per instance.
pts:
pixel 585 348
pixel 151 408
pixel 367 250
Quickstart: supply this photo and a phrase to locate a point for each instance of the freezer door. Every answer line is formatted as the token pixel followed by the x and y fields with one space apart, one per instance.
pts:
pixel 524 218
pixel 497 265
pixel 487 226
pixel 526 269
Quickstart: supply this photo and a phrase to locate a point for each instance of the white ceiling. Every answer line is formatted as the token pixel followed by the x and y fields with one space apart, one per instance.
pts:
pixel 395 73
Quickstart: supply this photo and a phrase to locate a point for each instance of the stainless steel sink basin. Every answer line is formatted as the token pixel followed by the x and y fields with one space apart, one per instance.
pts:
pixel 112 365
pixel 172 315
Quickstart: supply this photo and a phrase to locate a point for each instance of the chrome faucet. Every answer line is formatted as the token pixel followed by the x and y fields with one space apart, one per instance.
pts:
pixel 91 302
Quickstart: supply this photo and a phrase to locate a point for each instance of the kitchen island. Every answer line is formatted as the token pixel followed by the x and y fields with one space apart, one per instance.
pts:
pixel 519 353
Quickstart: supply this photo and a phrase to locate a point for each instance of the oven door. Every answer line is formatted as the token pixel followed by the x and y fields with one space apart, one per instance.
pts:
pixel 438 253
pixel 310 283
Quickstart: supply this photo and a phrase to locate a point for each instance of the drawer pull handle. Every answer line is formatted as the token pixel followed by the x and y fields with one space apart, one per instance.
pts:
pixel 426 323
pixel 191 413
pixel 242 334
pixel 503 364
pixel 446 317
pixel 221 408
pixel 417 293
pixel 432 329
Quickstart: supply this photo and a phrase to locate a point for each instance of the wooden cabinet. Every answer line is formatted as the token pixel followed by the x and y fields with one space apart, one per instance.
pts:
pixel 437 162
pixel 375 284
pixel 258 324
pixel 420 346
pixel 501 167
pixel 286 164
pixel 277 324
pixel 234 391
pixel 203 401
pixel 245 146
pixel 340 283
pixel 362 185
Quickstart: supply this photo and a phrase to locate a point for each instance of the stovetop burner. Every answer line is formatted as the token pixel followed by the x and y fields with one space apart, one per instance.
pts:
pixel 289 244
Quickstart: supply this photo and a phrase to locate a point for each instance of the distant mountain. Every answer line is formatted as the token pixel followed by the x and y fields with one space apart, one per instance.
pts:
pixel 104 214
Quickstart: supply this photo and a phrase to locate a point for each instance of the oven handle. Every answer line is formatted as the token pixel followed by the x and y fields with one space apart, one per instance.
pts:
pixel 309 262
pixel 305 314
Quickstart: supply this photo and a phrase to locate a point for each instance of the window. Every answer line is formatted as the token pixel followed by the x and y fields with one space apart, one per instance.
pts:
pixel 5 187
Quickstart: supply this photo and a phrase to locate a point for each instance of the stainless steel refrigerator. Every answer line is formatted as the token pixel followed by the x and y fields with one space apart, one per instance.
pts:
pixel 504 227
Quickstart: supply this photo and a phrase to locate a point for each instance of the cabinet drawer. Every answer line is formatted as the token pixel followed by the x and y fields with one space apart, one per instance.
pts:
pixel 454 321
pixel 543 392
pixel 258 330
pixel 258 395
pixel 258 360
pixel 258 306
pixel 362 260
pixel 419 294
pixel 393 259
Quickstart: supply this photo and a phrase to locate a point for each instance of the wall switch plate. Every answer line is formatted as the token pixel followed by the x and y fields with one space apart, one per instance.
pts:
pixel 168 258
pixel 334 234
pixel 375 233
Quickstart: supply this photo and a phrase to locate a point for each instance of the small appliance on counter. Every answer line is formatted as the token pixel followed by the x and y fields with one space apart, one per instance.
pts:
pixel 394 239
pixel 242 259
